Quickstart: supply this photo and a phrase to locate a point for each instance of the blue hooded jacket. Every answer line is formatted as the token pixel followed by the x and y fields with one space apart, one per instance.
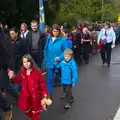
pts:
pixel 53 50
pixel 69 43
pixel 69 73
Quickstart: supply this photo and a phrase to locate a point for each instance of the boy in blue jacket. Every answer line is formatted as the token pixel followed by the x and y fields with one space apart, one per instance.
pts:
pixel 69 75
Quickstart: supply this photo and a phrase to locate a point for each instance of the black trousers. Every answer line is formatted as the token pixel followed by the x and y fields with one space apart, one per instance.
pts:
pixel 67 89
pixel 86 51
pixel 37 58
pixel 4 103
pixel 105 51
pixel 77 52
pixel 57 79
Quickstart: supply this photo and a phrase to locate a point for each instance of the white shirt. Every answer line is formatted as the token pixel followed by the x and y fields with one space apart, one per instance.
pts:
pixel 109 36
pixel 53 39
pixel 25 34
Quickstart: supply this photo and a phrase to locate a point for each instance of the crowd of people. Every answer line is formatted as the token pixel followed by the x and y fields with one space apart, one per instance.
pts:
pixel 23 53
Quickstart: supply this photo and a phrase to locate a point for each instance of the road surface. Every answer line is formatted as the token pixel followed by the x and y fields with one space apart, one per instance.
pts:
pixel 97 93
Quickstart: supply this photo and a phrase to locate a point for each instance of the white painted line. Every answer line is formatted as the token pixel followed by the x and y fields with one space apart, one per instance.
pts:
pixel 117 116
pixel 115 63
pixel 44 73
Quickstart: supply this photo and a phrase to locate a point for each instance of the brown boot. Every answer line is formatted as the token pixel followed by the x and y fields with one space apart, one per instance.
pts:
pixel 8 115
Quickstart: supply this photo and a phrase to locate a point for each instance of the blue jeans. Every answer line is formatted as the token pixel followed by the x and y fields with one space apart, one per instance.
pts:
pixel 51 72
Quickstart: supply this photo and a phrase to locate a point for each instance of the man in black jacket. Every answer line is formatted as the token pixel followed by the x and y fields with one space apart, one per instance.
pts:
pixel 19 46
pixel 6 63
pixel 36 42
pixel 76 40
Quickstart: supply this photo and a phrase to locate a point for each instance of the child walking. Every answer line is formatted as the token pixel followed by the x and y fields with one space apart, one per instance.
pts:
pixel 33 92
pixel 68 36
pixel 69 76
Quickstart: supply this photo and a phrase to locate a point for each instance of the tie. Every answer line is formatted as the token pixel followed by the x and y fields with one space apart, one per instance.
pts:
pixel 74 36
pixel 106 33
pixel 23 36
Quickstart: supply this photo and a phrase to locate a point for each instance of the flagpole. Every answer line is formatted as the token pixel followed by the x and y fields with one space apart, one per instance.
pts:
pixel 39 13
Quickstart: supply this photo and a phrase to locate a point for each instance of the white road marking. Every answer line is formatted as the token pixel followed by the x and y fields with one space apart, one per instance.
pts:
pixel 115 63
pixel 117 116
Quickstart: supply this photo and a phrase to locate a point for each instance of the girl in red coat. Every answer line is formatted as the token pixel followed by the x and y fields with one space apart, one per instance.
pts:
pixel 33 90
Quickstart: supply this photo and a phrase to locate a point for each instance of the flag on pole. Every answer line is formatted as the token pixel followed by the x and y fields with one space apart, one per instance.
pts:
pixel 119 17
pixel 42 15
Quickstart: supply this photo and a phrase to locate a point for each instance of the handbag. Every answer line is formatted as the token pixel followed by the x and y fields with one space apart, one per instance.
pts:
pixel 103 42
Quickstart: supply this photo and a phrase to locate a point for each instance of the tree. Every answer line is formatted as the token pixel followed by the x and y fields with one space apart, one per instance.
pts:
pixel 14 12
pixel 90 10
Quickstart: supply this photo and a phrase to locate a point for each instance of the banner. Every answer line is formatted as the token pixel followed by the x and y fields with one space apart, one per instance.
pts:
pixel 42 15
pixel 118 17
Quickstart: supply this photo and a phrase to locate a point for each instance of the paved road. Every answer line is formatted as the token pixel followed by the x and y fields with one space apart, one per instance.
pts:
pixel 97 93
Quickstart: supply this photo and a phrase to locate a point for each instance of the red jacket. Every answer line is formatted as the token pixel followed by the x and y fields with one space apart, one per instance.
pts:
pixel 32 92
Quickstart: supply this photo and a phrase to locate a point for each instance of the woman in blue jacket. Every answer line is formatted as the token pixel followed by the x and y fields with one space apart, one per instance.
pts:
pixel 53 52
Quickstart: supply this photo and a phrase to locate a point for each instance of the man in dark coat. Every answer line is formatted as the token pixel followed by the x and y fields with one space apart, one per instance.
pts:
pixel 6 63
pixel 36 42
pixel 76 40
pixel 19 46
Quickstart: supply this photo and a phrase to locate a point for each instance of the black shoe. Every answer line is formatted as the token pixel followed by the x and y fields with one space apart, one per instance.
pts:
pixel 103 62
pixel 72 100
pixel 67 106
pixel 63 96
pixel 86 62
pixel 54 85
pixel 59 85
pixel 108 65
